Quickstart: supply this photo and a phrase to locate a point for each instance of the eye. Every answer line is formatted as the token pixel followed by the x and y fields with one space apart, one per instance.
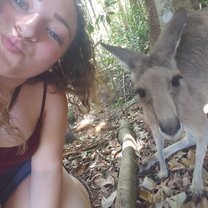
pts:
pixel 141 92
pixel 54 36
pixel 22 4
pixel 176 80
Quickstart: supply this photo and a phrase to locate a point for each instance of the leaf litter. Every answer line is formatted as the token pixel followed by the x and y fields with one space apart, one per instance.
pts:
pixel 94 158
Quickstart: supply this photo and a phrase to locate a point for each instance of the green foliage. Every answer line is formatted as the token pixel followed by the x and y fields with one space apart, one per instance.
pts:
pixel 133 32
pixel 127 29
pixel 204 3
pixel 109 3
pixel 137 34
pixel 90 28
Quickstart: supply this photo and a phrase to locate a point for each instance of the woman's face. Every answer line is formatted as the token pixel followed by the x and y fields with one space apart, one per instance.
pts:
pixel 34 34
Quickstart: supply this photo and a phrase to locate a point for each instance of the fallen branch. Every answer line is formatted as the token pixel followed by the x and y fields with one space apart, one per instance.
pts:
pixel 87 148
pixel 127 182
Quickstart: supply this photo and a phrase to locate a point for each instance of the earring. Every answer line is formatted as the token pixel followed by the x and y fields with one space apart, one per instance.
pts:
pixel 50 70
pixel 60 66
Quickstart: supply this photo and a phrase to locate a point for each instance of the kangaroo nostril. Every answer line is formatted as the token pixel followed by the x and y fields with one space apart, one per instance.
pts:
pixel 171 127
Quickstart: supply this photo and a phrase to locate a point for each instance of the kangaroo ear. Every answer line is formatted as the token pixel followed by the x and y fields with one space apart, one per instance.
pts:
pixel 128 58
pixel 166 46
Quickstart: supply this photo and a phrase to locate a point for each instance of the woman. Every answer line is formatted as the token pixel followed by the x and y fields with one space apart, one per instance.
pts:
pixel 44 54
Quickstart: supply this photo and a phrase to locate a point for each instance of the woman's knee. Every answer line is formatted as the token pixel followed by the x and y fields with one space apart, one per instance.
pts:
pixel 74 194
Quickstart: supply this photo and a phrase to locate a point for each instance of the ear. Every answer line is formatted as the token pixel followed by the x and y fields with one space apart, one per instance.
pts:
pixel 167 44
pixel 127 57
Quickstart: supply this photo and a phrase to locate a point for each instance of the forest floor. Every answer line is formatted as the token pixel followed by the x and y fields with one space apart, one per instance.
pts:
pixel 94 158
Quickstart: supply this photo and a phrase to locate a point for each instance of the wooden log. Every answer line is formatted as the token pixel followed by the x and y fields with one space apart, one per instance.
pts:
pixel 127 182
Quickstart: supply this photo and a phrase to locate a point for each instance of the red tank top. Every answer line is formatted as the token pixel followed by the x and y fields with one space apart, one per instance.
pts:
pixel 9 157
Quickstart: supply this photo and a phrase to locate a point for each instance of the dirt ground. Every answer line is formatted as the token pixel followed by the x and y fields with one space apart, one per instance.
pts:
pixel 94 158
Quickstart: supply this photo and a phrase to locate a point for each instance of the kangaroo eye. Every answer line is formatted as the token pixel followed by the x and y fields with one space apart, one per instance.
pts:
pixel 176 80
pixel 141 92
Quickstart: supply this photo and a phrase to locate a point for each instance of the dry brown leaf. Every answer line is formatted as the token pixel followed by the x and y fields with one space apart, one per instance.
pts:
pixel 187 162
pixel 165 189
pixel 205 176
pixel 148 184
pixel 180 155
pixel 175 165
pixel 177 200
pixel 186 180
pixel 81 169
pixel 107 202
pixel 104 182
pixel 191 155
pixel 158 197
pixel 145 195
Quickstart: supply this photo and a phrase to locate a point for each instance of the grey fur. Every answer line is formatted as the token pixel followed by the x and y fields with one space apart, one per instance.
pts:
pixel 173 105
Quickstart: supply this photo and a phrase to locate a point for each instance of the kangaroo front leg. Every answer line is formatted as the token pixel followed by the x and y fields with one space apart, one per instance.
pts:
pixel 159 140
pixel 197 181
pixel 184 143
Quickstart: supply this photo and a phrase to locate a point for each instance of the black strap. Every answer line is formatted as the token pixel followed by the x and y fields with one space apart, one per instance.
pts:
pixel 44 98
pixel 14 96
pixel 16 93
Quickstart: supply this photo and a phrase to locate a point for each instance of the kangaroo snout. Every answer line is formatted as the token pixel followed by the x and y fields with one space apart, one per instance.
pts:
pixel 170 127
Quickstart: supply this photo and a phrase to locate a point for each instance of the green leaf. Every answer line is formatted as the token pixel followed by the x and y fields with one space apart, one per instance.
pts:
pixel 90 28
pixel 111 13
pixel 102 18
pixel 108 20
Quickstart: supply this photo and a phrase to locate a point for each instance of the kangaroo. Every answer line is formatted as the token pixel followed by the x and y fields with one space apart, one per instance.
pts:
pixel 171 84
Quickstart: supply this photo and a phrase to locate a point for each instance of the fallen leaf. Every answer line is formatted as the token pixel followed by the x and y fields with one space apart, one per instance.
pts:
pixel 145 195
pixel 177 200
pixel 175 165
pixel 189 163
pixel 205 176
pixel 107 202
pixel 104 182
pixel 148 184
pixel 158 197
pixel 186 180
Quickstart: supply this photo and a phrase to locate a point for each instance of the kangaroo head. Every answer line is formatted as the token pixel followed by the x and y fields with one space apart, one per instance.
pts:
pixel 157 81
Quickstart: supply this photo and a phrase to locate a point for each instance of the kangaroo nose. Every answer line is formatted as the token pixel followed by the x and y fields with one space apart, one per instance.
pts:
pixel 27 27
pixel 170 127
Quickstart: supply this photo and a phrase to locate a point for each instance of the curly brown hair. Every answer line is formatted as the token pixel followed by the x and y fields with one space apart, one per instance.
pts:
pixel 75 71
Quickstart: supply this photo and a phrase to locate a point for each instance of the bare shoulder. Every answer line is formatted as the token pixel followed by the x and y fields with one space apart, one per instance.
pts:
pixel 55 111
pixel 55 98
pixel 55 102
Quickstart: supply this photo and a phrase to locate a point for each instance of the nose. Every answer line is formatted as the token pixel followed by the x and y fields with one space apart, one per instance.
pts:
pixel 27 27
pixel 170 127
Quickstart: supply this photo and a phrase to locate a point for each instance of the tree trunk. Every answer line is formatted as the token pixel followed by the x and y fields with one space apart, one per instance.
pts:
pixel 166 8
pixel 154 24
pixel 133 2
pixel 121 9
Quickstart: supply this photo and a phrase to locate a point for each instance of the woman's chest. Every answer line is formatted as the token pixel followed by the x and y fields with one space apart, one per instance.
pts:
pixel 24 116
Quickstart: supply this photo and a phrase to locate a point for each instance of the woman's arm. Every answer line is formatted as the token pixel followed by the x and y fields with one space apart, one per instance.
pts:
pixel 46 175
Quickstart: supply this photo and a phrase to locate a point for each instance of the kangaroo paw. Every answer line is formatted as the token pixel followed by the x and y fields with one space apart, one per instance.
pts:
pixel 196 195
pixel 162 174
